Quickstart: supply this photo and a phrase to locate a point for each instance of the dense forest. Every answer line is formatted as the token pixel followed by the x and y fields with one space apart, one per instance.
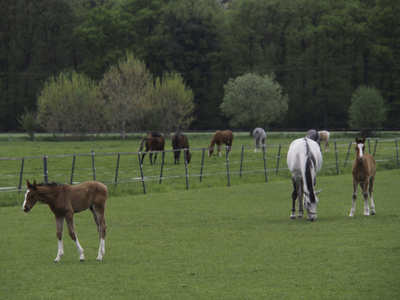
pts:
pixel 319 51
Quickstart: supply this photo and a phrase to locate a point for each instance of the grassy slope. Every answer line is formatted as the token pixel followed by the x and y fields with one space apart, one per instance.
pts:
pixel 217 243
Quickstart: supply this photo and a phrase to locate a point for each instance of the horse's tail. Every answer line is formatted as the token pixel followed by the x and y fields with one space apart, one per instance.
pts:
pixel 310 163
pixel 142 144
pixel 176 141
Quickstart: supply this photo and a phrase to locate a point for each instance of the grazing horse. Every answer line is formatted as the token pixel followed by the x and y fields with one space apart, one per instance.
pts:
pixel 66 200
pixel 153 142
pixel 324 136
pixel 313 135
pixel 219 138
pixel 364 174
pixel 304 160
pixel 180 141
pixel 259 136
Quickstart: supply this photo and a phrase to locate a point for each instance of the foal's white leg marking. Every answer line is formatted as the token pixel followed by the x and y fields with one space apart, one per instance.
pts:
pixel 102 250
pixel 60 250
pixel 80 250
pixel 372 204
pixel 353 206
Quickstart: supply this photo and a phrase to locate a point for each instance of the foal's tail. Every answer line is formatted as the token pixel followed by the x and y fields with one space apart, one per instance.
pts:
pixel 142 144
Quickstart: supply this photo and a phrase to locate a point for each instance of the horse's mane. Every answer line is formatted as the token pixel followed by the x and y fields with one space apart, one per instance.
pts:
pixel 156 134
pixel 50 184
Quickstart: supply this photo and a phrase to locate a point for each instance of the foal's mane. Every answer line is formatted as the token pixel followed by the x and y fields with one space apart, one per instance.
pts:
pixel 50 184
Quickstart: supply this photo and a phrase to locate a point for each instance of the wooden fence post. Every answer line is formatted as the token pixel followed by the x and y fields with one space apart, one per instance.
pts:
pixel 116 171
pixel 162 165
pixel 279 156
pixel 265 162
pixel 337 162
pixel 376 144
pixel 20 175
pixel 347 156
pixel 45 171
pixel 241 163
pixel 93 167
pixel 141 172
pixel 202 163
pixel 186 168
pixel 72 170
pixel 227 165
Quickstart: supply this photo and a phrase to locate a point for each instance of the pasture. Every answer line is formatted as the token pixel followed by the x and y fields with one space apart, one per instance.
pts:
pixel 245 166
pixel 232 242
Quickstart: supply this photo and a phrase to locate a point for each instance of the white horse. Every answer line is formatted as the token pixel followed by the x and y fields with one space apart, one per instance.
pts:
pixel 304 160
pixel 259 136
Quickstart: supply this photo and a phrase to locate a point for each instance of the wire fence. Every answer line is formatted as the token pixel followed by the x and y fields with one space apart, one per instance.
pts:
pixel 238 162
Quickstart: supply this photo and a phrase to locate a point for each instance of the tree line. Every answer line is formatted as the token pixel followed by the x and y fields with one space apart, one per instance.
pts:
pixel 319 51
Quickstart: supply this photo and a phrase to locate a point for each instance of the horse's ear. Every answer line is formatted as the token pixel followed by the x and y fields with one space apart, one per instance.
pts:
pixel 317 192
pixel 358 140
pixel 31 186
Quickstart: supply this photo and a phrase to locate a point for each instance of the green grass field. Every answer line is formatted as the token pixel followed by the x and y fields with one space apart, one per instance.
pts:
pixel 232 242
pixel 213 169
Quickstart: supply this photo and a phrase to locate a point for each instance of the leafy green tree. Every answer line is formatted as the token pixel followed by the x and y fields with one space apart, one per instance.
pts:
pixel 125 87
pixel 71 103
pixel 171 104
pixel 367 110
pixel 102 39
pixel 35 42
pixel 252 100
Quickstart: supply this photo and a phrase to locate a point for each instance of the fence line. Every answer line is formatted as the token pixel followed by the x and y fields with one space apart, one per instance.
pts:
pixel 274 151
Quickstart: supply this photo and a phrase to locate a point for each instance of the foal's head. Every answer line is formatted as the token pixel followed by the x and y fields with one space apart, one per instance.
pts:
pixel 31 196
pixel 360 147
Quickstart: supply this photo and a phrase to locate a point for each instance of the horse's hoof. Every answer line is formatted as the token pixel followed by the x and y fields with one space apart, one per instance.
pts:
pixel 81 259
pixel 292 217
pixel 299 216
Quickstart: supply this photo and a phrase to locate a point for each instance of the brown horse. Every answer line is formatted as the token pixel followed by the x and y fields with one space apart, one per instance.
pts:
pixel 324 136
pixel 364 174
pixel 219 138
pixel 180 141
pixel 153 142
pixel 66 200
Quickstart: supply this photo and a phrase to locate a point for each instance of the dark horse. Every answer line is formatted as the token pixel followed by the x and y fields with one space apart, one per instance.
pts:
pixel 153 142
pixel 180 141
pixel 66 200
pixel 364 174
pixel 219 138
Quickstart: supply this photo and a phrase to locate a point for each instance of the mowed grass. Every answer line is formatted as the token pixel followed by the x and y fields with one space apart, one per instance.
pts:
pixel 217 243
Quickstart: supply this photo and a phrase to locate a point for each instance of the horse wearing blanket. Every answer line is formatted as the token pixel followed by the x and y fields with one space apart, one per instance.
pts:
pixel 259 136
pixel 304 160
pixel 67 200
